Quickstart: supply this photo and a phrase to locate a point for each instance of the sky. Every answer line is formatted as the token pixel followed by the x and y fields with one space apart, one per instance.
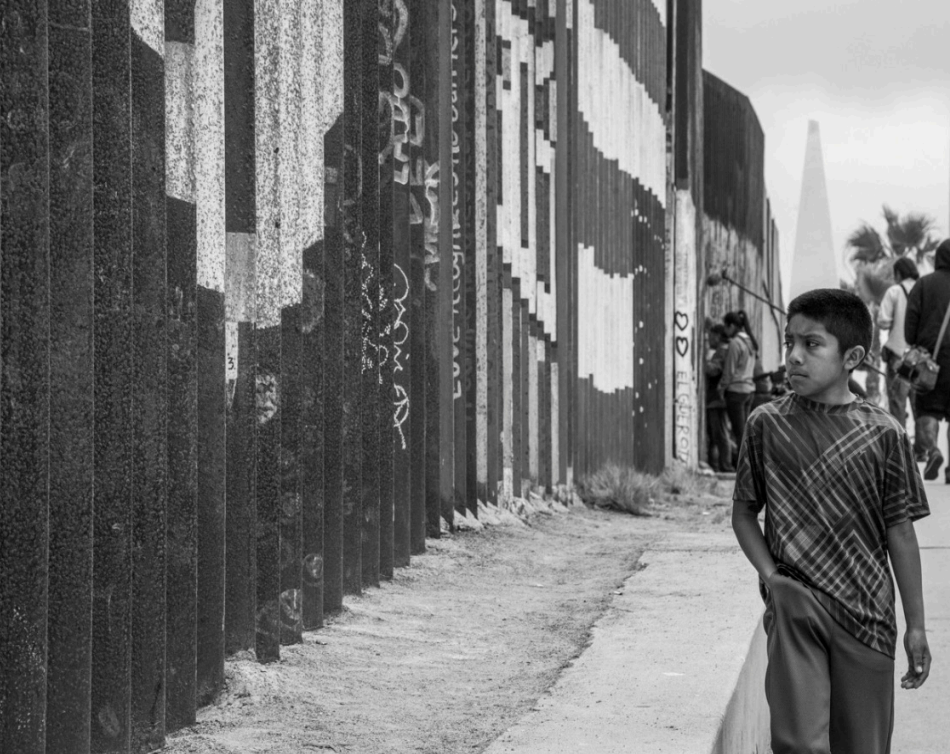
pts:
pixel 876 77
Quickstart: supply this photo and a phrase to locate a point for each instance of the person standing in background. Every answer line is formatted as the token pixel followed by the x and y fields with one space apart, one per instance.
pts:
pixel 926 307
pixel 719 451
pixel 763 385
pixel 890 317
pixel 737 385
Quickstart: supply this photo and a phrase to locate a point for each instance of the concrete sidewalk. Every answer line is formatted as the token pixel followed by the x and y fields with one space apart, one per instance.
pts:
pixel 676 664
pixel 667 662
pixel 922 725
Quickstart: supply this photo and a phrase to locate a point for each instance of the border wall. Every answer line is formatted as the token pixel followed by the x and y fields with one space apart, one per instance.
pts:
pixel 285 287
pixel 739 233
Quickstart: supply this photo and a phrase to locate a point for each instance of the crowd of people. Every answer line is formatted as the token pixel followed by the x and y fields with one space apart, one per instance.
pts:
pixel 736 384
pixel 911 314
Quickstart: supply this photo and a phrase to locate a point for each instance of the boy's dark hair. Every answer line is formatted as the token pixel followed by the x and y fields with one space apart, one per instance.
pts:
pixel 905 269
pixel 843 314
pixel 719 330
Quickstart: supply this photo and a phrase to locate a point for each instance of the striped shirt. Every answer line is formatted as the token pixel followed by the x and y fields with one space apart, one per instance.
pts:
pixel 832 480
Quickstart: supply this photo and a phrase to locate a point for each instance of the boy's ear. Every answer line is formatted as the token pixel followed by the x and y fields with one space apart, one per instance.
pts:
pixel 854 356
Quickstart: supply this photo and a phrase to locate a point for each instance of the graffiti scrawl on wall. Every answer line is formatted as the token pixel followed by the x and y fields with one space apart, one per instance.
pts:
pixel 684 332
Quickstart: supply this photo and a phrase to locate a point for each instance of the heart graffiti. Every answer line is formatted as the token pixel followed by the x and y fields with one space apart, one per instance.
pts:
pixel 682 346
pixel 681 320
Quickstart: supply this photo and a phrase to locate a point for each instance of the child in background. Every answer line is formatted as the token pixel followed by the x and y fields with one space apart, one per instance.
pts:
pixel 840 488
pixel 719 449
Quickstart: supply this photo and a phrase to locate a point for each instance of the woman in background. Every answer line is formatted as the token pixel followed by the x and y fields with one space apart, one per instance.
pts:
pixel 890 317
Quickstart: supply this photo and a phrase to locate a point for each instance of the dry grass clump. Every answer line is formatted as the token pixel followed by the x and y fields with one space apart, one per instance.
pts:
pixel 678 480
pixel 619 488
pixel 625 489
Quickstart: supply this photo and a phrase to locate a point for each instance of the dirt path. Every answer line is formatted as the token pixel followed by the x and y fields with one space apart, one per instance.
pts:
pixel 451 652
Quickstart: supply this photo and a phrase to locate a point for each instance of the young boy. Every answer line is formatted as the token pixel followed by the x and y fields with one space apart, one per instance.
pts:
pixel 840 488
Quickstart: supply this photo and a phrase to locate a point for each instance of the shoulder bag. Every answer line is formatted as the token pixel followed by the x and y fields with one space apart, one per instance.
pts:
pixel 918 367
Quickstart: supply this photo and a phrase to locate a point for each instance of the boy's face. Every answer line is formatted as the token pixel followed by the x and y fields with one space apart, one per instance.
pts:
pixel 815 366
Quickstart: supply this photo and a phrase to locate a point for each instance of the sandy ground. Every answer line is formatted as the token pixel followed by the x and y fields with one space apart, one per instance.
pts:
pixel 451 652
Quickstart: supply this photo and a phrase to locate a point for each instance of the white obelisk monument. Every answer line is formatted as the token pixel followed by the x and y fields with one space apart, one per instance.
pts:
pixel 814 264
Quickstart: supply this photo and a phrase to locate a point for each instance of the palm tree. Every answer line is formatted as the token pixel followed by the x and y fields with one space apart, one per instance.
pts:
pixel 871 257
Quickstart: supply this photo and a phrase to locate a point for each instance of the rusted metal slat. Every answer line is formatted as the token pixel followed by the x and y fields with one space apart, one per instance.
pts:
pixel 71 379
pixel 24 373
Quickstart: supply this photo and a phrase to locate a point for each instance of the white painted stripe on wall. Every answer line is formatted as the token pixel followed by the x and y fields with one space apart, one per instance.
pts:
pixel 507 454
pixel 288 165
pixel 267 141
pixel 501 97
pixel 313 124
pixel 533 403
pixel 605 325
pixel 208 85
pixel 240 293
pixel 626 125
pixel 332 58
pixel 509 102
pixel 547 302
pixel 545 56
pixel 661 9
pixel 179 131
pixel 547 307
pixel 512 157
pixel 530 270
pixel 147 18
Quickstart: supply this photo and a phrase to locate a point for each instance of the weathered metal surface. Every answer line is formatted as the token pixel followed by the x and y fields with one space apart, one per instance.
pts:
pixel 439 467
pixel 735 230
pixel 372 350
pixel 386 348
pixel 111 640
pixel 71 408
pixel 686 316
pixel 292 226
pixel 734 155
pixel 290 516
pixel 415 171
pixel 621 268
pixel 24 374
pixel 395 162
pixel 317 112
pixel 346 270
pixel 333 372
pixel 211 198
pixel 149 378
pixel 269 296
pixel 352 263
pixel 240 313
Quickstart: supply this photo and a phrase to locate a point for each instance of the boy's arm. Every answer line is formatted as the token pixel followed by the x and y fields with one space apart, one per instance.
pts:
pixel 745 524
pixel 905 560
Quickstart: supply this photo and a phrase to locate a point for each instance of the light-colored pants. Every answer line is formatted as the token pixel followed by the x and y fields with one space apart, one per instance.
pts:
pixel 828 693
